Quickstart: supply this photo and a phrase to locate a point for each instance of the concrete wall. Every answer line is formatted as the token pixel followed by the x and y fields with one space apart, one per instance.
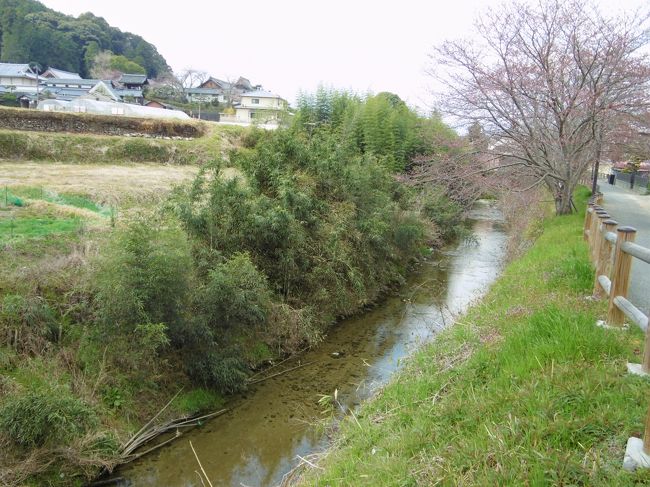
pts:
pixel 17 82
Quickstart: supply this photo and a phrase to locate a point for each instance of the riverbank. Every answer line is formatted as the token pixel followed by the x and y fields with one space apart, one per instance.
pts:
pixel 523 390
pixel 258 440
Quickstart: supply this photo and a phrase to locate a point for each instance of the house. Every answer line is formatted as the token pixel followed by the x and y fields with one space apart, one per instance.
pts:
pixel 70 88
pixel 159 104
pixel 74 83
pixel 210 90
pixel 243 84
pixel 133 81
pixel 60 74
pixel 215 84
pixel 205 95
pixel 223 91
pixel 260 107
pixel 18 77
pixel 102 91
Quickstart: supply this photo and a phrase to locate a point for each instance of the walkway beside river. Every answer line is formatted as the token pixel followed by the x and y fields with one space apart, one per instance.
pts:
pixel 629 208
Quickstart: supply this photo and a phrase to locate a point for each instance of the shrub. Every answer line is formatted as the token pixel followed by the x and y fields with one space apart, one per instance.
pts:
pixel 26 322
pixel 38 418
pixel 236 295
pixel 143 275
pixel 225 373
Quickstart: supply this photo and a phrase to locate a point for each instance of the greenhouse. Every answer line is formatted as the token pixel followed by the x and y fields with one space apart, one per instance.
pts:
pixel 84 105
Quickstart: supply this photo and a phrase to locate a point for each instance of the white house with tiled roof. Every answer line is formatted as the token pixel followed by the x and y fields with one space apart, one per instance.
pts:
pixel 260 106
pixel 18 77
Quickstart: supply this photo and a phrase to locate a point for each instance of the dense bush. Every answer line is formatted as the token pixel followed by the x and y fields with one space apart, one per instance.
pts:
pixel 38 418
pixel 226 374
pixel 235 295
pixel 329 230
pixel 143 276
pixel 26 323
pixel 382 125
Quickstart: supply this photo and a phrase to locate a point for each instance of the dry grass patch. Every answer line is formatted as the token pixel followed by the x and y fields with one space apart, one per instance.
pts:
pixel 106 184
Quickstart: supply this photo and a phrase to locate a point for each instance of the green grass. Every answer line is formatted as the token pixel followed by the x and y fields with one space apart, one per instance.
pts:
pixel 198 401
pixel 66 199
pixel 523 390
pixel 89 148
pixel 14 229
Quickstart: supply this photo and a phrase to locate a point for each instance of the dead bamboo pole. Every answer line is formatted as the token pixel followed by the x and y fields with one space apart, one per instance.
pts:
pixel 201 466
pixel 151 420
pixel 620 275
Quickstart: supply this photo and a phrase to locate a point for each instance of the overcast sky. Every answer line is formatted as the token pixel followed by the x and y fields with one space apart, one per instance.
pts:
pixel 289 46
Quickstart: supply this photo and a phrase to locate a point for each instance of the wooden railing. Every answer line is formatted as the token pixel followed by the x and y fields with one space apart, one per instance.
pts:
pixel 612 249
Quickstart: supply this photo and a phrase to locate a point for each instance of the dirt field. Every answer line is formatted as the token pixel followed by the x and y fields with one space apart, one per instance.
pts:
pixel 103 183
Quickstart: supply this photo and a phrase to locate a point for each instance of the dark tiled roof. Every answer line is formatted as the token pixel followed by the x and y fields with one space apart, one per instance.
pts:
pixel 133 79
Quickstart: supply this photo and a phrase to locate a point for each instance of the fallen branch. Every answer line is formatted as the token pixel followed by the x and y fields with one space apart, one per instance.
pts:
pixel 279 373
pixel 278 364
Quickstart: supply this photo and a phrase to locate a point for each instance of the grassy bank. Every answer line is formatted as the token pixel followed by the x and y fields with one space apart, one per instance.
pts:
pixel 87 148
pixel 117 292
pixel 523 390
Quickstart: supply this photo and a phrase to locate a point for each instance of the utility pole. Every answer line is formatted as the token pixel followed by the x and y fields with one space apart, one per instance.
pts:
pixel 36 69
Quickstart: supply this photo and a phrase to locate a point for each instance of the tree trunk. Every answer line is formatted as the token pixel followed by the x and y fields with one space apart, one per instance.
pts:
pixel 563 199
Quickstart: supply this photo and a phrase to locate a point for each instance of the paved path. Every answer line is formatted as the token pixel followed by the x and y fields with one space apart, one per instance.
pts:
pixel 631 209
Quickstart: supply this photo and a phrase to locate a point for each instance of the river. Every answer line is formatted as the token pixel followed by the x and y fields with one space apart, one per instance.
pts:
pixel 258 441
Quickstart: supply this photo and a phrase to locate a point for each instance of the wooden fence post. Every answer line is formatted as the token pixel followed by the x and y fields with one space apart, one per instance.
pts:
pixel 603 262
pixel 599 237
pixel 594 231
pixel 588 215
pixel 592 224
pixel 620 275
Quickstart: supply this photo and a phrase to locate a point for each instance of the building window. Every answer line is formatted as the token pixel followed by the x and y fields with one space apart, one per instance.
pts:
pixel 117 111
pixel 255 101
pixel 252 114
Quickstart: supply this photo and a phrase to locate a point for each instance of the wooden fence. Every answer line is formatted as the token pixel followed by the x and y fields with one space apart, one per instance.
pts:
pixel 612 249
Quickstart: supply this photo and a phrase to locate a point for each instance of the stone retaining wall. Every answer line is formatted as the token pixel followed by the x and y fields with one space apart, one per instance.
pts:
pixel 33 120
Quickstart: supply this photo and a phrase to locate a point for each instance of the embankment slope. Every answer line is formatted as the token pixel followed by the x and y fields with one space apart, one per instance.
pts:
pixel 523 390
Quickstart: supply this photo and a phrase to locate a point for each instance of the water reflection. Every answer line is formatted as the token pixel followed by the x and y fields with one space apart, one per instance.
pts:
pixel 258 441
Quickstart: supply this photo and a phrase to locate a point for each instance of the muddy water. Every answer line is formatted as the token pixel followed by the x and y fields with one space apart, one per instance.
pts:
pixel 258 441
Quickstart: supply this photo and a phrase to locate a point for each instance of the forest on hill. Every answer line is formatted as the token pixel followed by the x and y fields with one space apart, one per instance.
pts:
pixel 31 32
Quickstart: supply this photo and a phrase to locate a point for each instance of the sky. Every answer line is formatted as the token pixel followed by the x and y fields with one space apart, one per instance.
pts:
pixel 288 46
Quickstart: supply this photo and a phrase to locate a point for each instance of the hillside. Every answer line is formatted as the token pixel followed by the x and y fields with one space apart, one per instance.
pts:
pixel 31 32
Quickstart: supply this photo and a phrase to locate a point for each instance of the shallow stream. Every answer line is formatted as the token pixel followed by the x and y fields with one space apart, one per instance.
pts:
pixel 258 441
